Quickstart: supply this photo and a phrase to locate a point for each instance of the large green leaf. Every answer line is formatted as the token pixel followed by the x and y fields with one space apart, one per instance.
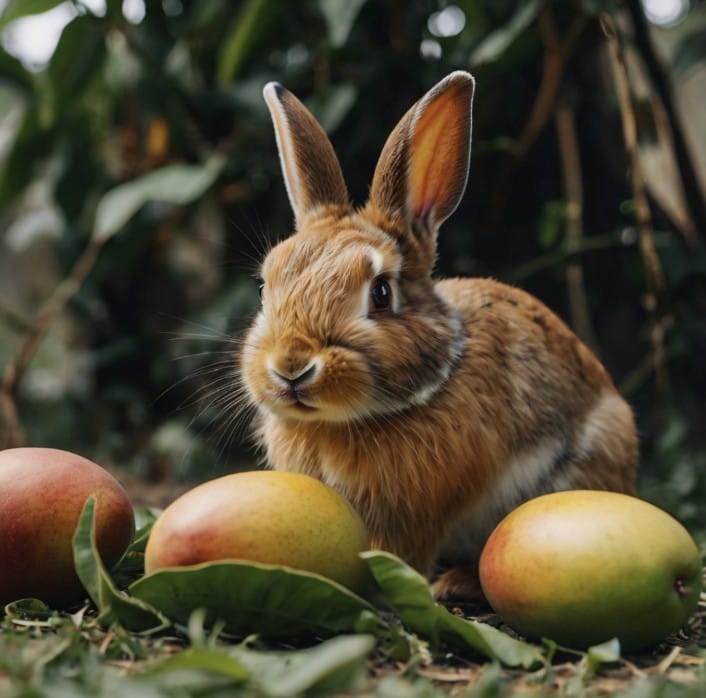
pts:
pixel 335 105
pixel 251 23
pixel 174 184
pixel 340 16
pixel 12 71
pixel 16 9
pixel 29 149
pixel 78 57
pixel 495 44
pixel 113 604
pixel 409 596
pixel 269 600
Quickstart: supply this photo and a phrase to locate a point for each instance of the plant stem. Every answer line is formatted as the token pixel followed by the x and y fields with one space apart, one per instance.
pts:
pixel 12 433
pixel 573 192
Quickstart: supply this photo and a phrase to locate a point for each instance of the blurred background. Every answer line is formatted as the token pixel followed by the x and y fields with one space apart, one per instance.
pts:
pixel 139 185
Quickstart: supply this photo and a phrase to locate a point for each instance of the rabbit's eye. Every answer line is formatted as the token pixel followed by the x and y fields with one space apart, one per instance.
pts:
pixel 380 295
pixel 261 289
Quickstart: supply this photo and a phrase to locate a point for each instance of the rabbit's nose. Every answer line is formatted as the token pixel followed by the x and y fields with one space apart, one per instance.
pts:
pixel 293 375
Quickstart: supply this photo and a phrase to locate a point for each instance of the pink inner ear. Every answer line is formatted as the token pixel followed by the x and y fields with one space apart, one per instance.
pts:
pixel 439 158
pixel 426 187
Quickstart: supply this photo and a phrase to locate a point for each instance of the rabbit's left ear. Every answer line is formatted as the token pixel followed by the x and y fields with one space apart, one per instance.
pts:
pixel 422 171
pixel 310 167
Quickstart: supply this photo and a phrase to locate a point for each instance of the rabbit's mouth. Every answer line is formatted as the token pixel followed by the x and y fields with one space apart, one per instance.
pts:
pixel 294 402
pixel 294 399
pixel 302 406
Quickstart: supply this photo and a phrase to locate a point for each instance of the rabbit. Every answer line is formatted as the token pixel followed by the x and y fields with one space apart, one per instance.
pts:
pixel 434 407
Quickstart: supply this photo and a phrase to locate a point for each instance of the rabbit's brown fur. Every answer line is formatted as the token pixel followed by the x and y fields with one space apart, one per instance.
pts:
pixel 437 415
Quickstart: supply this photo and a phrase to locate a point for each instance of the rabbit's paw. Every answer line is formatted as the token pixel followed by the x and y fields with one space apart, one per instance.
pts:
pixel 459 583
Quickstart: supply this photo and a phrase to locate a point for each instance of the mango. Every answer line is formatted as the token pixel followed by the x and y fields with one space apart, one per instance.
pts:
pixel 582 567
pixel 42 494
pixel 271 517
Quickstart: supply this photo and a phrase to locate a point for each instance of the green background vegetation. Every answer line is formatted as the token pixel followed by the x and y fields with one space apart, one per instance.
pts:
pixel 139 184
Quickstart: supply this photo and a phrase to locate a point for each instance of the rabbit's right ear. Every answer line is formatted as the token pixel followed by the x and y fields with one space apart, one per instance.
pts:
pixel 310 167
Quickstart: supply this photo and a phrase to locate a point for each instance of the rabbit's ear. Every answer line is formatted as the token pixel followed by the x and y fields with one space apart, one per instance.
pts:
pixel 422 171
pixel 311 170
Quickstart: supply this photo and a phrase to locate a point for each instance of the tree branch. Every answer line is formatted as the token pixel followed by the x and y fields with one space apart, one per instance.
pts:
pixel 557 53
pixel 643 216
pixel 573 193
pixel 12 433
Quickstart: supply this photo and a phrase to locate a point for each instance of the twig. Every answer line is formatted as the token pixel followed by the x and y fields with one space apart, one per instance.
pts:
pixel 561 256
pixel 643 216
pixel 12 432
pixel 573 191
pixel 556 57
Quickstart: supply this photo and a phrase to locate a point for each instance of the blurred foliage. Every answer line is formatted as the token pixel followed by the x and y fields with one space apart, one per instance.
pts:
pixel 140 163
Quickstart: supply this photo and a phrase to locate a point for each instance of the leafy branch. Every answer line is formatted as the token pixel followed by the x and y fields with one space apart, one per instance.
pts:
pixel 173 184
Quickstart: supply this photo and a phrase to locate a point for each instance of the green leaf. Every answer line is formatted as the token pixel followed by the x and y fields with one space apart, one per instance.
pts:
pixel 492 642
pixel 551 224
pixel 690 51
pixel 495 44
pixel 78 57
pixel 605 653
pixel 30 148
pixel 201 659
pixel 340 16
pixel 249 26
pixel 269 600
pixel 12 71
pixel 594 658
pixel 15 9
pixel 28 608
pixel 338 101
pixel 406 591
pixel 132 564
pixel 144 520
pixel 409 596
pixel 113 605
pixel 330 667
pixel 174 184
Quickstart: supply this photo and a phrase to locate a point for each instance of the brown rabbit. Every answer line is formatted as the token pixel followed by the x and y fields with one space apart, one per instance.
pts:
pixel 435 407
